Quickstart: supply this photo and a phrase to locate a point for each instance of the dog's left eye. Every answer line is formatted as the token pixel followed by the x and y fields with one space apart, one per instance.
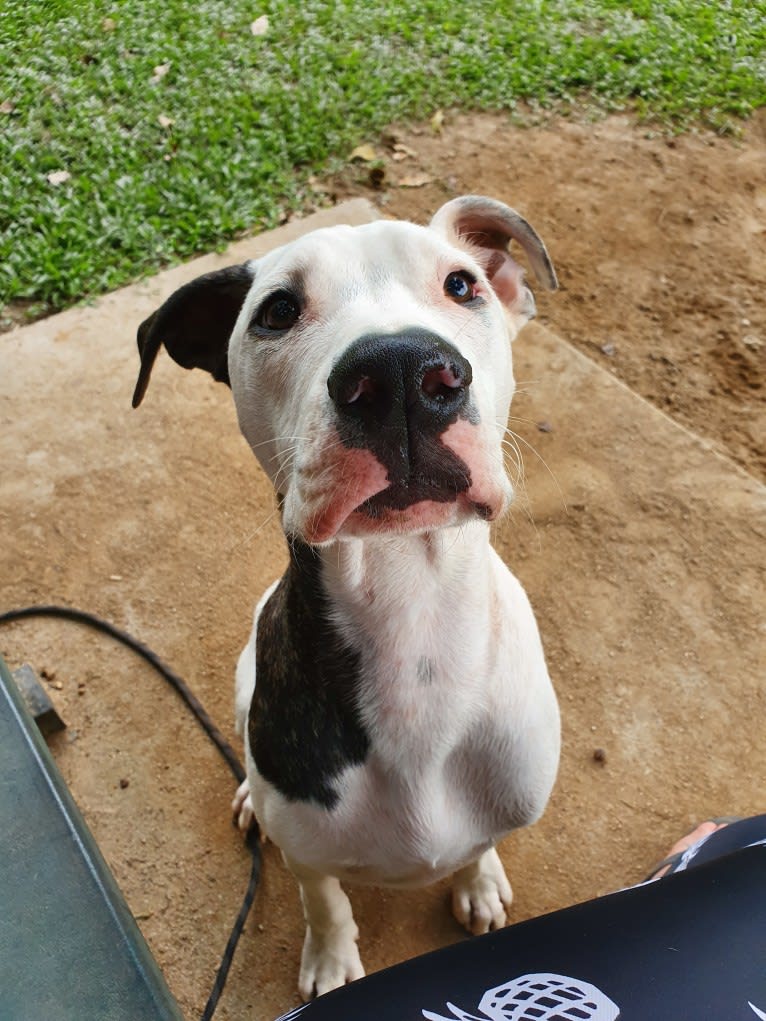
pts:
pixel 278 313
pixel 460 286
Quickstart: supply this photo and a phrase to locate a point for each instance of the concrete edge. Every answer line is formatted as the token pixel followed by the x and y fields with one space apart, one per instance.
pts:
pixel 354 212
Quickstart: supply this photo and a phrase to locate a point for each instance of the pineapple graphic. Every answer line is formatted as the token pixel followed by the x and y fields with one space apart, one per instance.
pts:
pixel 539 997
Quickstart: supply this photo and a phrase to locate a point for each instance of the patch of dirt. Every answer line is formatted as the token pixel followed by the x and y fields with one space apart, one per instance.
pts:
pixel 20 313
pixel 647 592
pixel 659 242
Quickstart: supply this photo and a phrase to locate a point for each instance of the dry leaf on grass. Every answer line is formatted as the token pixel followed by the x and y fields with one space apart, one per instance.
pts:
pixel 366 153
pixel 415 180
pixel 402 151
pixel 159 72
pixel 165 122
pixel 317 186
pixel 260 26
pixel 437 121
pixel 57 177
pixel 6 106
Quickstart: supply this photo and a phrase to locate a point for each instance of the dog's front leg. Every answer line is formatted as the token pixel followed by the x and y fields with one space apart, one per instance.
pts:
pixel 330 955
pixel 481 894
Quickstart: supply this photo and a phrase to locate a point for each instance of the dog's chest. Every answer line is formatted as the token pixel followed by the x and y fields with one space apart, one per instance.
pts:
pixel 401 831
pixel 407 725
pixel 413 811
pixel 434 790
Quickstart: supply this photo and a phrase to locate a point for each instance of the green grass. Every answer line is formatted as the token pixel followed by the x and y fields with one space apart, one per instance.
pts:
pixel 253 116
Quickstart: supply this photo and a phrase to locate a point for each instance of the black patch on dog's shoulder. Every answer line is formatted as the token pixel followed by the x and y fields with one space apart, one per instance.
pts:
pixel 304 726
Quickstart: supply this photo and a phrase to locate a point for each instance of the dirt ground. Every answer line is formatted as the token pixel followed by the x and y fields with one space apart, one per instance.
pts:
pixel 670 296
pixel 640 548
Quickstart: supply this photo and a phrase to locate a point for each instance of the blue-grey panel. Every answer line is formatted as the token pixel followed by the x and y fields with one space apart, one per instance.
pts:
pixel 70 949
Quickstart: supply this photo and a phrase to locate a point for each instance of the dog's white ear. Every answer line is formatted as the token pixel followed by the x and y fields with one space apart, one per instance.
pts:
pixel 195 324
pixel 485 227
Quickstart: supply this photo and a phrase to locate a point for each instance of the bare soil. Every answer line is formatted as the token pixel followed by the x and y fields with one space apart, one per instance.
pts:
pixel 659 242
pixel 160 521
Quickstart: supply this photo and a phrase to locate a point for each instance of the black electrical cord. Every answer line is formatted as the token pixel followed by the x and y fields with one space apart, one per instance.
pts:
pixel 253 836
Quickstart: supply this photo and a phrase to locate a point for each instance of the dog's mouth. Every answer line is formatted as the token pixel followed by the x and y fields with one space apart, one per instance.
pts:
pixel 401 496
pixel 402 508
pixel 352 493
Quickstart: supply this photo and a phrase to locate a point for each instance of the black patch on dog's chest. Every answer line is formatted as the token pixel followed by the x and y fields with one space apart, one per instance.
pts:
pixel 304 724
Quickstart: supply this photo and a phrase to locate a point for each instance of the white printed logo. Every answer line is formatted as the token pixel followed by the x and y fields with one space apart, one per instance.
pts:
pixel 293 1013
pixel 541 997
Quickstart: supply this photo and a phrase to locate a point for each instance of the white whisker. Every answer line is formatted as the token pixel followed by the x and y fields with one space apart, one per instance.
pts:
pixel 245 540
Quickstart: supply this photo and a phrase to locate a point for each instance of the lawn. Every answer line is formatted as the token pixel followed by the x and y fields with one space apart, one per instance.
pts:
pixel 136 134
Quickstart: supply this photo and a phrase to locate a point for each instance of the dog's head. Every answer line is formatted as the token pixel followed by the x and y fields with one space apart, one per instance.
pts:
pixel 370 366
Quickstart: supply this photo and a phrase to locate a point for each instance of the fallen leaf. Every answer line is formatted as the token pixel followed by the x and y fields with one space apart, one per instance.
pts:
pixel 415 180
pixel 437 121
pixel 261 25
pixel 165 122
pixel 317 186
pixel 366 153
pixel 108 25
pixel 401 151
pixel 57 177
pixel 160 71
pixel 7 106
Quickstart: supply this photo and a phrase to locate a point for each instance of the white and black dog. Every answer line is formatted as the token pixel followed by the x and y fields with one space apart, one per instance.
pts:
pixel 398 715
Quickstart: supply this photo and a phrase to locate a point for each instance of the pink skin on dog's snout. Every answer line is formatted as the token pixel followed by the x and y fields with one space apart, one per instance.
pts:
pixel 486 492
pixel 345 478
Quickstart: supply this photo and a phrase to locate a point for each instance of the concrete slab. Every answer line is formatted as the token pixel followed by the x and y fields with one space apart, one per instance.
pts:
pixel 641 549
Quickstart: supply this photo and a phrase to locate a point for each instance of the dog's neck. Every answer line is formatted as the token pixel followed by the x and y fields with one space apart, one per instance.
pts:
pixel 402 582
pixel 418 613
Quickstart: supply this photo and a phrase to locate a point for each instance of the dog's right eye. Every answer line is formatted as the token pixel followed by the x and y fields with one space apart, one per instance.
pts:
pixel 278 313
pixel 460 286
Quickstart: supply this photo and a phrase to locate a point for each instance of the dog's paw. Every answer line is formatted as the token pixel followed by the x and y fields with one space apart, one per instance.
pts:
pixel 329 960
pixel 481 894
pixel 242 807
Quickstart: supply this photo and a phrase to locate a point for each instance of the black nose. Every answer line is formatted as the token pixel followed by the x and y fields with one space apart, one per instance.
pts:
pixel 400 382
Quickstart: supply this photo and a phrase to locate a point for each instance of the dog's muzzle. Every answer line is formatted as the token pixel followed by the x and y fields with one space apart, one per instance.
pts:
pixel 395 395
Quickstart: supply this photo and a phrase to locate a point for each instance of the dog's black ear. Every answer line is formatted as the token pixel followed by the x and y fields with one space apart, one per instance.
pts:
pixel 195 324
